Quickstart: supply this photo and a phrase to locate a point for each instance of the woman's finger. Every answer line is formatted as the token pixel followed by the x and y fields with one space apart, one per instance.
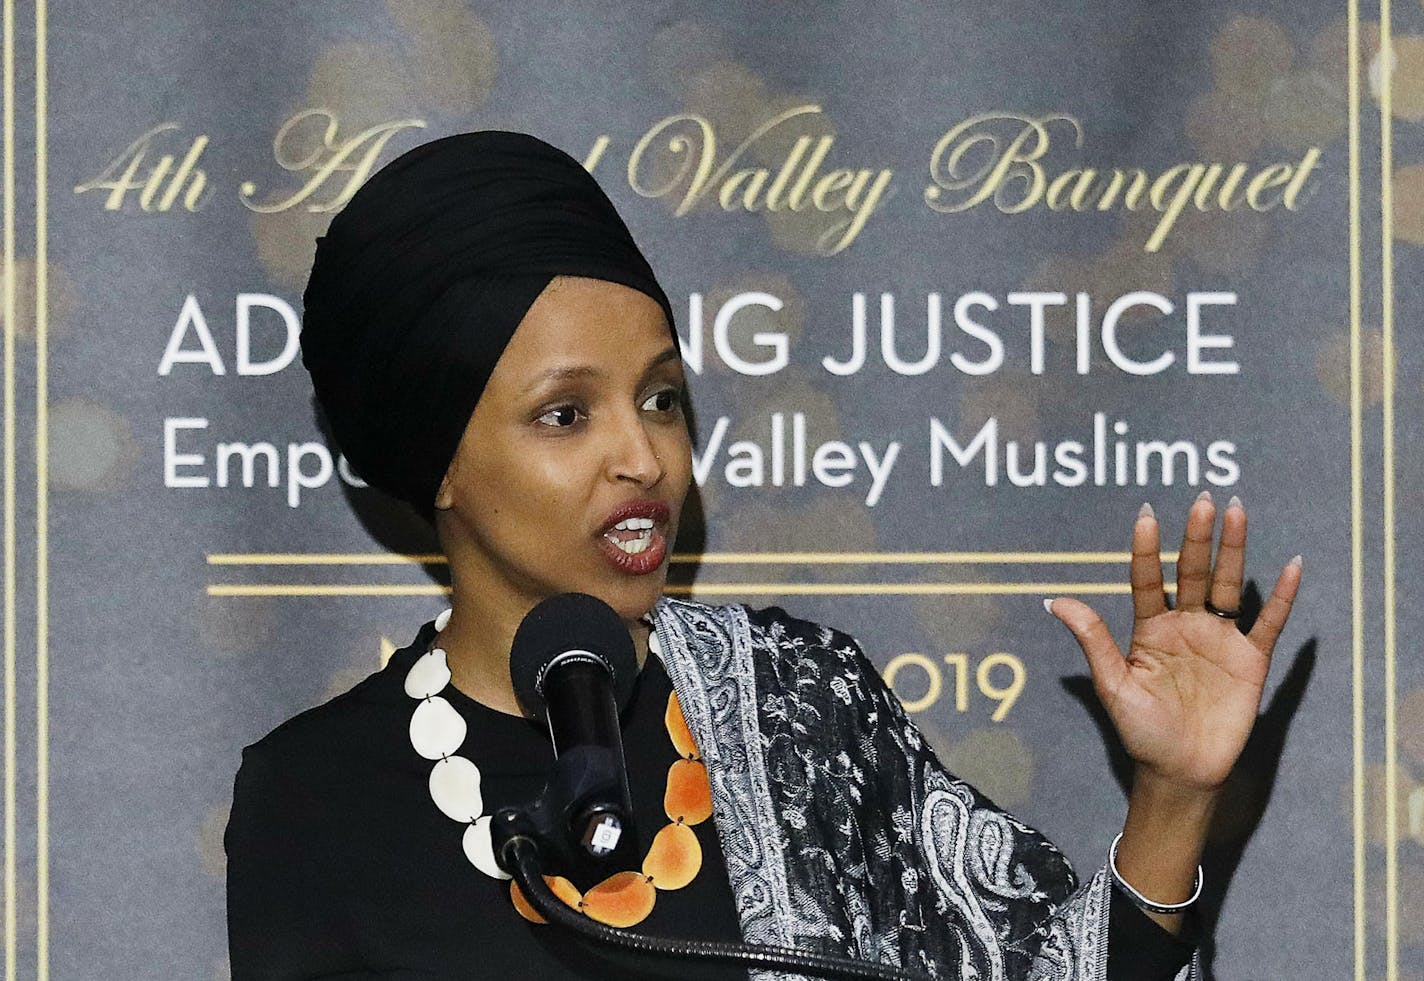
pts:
pixel 1105 661
pixel 1226 576
pixel 1148 598
pixel 1194 562
pixel 1272 620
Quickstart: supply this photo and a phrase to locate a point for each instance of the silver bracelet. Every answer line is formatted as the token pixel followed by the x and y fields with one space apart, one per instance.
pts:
pixel 1142 900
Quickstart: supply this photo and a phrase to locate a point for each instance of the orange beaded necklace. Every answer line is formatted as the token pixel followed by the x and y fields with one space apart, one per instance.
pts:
pixel 625 899
pixel 437 732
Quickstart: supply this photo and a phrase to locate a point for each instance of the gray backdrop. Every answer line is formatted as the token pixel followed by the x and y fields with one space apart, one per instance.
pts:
pixel 174 162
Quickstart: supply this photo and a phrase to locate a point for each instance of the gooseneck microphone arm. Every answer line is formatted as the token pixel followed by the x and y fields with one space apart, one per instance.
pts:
pixel 520 857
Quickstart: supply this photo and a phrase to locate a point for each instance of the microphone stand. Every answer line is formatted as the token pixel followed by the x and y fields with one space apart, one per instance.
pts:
pixel 519 855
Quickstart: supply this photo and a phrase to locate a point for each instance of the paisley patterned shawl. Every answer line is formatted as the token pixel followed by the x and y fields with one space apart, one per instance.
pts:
pixel 842 831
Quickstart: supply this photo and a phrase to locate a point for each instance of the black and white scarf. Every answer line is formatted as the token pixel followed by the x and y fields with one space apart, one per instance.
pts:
pixel 842 831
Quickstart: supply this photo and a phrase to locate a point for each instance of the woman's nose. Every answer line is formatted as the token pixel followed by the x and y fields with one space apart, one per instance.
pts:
pixel 634 457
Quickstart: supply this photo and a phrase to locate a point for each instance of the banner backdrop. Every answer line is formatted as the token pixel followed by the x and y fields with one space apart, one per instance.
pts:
pixel 959 287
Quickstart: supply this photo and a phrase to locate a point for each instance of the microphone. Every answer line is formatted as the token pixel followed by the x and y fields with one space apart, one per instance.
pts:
pixel 573 665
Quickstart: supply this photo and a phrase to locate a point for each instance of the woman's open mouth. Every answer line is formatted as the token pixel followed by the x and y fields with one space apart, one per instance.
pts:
pixel 634 537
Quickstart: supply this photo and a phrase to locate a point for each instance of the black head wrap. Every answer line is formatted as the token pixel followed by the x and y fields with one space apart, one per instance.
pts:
pixel 421 280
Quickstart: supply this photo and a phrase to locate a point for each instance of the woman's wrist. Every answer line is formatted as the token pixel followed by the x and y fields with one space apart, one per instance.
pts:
pixel 1163 839
pixel 1156 796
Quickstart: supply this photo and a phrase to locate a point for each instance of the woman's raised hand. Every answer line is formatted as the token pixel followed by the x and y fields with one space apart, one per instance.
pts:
pixel 1185 697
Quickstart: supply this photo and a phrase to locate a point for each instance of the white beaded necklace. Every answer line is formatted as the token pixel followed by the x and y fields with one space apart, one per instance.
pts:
pixel 437 731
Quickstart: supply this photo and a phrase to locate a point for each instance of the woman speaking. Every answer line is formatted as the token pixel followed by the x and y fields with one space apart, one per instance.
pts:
pixel 488 344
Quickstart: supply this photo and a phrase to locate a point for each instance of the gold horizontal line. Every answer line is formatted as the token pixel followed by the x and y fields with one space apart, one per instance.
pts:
pixel 897 589
pixel 318 589
pixel 324 558
pixel 704 589
pixel 903 558
pixel 706 558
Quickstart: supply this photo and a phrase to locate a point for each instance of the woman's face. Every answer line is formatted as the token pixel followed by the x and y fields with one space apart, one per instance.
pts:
pixel 572 470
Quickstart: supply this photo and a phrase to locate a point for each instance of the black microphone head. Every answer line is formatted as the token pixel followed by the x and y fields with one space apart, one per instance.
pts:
pixel 570 622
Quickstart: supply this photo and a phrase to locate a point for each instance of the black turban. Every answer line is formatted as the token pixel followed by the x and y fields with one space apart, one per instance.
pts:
pixel 421 280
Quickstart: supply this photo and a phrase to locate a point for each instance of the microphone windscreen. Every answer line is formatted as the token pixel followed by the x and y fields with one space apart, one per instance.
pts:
pixel 570 622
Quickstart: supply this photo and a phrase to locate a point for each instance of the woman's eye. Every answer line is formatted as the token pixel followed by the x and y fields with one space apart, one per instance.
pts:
pixel 662 401
pixel 560 416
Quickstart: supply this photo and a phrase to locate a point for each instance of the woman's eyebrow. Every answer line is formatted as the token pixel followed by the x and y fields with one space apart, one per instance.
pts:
pixel 567 372
pixel 668 354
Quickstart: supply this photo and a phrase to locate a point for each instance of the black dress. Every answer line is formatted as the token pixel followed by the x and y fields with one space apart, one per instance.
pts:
pixel 340 866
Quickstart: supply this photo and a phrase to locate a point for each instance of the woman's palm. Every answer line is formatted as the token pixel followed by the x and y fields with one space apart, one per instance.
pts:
pixel 1185 697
